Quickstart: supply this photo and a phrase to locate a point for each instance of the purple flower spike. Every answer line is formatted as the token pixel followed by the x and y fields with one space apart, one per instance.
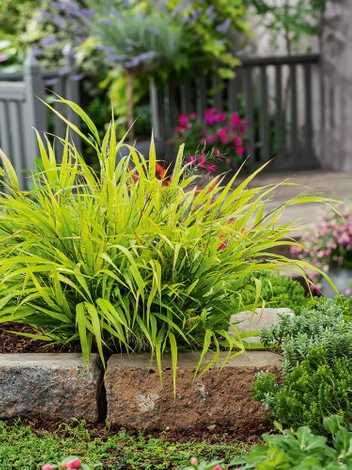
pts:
pixel 154 31
pixel 51 82
pixel 48 41
pixel 78 77
pixel 224 27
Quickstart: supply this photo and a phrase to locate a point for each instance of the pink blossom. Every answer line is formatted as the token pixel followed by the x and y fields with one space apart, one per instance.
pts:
pixel 183 121
pixel 223 244
pixel 193 115
pixel 220 117
pixel 217 467
pixel 235 119
pixel 340 260
pixel 223 136
pixel 209 117
pixel 192 159
pixel 211 139
pixel 201 160
pixel 194 461
pixel 74 464
pixel 47 466
pixel 203 141
pixel 238 141
pixel 210 167
pixel 240 150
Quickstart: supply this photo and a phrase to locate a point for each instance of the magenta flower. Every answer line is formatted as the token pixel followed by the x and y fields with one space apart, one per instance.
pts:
pixel 47 466
pixel 210 167
pixel 201 160
pixel 223 136
pixel 74 464
pixel 220 117
pixel 192 159
pixel 193 115
pixel 235 119
pixel 240 150
pixel 183 121
pixel 238 141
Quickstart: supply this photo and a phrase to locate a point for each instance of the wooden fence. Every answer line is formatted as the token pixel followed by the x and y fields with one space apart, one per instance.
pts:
pixel 21 109
pixel 278 96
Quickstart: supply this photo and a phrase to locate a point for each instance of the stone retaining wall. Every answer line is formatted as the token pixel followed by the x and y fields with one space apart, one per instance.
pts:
pixel 58 386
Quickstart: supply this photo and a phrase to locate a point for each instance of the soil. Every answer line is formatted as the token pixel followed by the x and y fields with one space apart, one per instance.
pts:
pixel 11 343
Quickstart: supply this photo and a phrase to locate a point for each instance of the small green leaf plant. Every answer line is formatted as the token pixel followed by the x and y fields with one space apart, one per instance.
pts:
pixel 316 375
pixel 117 260
pixel 300 450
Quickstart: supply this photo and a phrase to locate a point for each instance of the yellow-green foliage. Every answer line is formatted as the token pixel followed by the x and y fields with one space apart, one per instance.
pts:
pixel 118 259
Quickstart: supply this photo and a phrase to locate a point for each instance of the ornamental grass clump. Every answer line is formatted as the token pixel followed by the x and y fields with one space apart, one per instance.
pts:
pixel 118 260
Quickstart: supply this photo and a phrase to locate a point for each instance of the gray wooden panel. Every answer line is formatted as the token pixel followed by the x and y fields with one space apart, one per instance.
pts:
pixel 234 88
pixel 185 91
pixel 5 140
pixel 13 91
pixel 171 108
pixel 201 97
pixel 264 115
pixel 294 107
pixel 16 156
pixel 59 125
pixel 158 111
pixel 308 108
pixel 218 92
pixel 250 95
pixel 279 115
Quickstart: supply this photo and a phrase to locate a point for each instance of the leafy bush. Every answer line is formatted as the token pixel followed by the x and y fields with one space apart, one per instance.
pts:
pixel 299 449
pixel 277 291
pixel 316 378
pixel 118 259
pixel 323 326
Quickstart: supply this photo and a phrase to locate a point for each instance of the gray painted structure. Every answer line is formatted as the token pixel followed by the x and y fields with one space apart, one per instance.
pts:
pixel 21 109
pixel 276 96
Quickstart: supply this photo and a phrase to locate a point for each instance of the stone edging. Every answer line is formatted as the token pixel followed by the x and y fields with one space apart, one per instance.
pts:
pixel 129 394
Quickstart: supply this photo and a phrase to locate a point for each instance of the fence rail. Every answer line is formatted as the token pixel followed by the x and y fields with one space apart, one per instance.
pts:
pixel 21 109
pixel 278 96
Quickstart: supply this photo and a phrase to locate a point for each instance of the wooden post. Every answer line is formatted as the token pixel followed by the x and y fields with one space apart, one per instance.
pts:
pixel 34 110
pixel 158 112
pixel 72 90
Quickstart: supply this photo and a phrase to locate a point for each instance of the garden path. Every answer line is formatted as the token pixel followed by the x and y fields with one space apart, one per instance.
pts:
pixel 337 185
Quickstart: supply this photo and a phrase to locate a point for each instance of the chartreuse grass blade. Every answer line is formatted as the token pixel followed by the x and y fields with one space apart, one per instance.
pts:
pixel 10 172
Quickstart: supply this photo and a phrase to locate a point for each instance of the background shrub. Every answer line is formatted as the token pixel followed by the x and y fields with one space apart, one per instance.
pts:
pixel 277 291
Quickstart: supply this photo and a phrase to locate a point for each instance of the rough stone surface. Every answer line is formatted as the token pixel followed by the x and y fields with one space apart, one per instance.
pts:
pixel 262 318
pixel 49 386
pixel 136 399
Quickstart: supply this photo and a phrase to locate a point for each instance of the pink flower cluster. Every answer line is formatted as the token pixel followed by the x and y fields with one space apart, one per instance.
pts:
pixel 329 243
pixel 194 463
pixel 215 143
pixel 71 465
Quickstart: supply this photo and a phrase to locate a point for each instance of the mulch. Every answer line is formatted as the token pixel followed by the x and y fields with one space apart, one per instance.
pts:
pixel 11 343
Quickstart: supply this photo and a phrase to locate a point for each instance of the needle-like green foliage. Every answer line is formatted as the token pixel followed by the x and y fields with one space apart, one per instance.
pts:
pixel 118 259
